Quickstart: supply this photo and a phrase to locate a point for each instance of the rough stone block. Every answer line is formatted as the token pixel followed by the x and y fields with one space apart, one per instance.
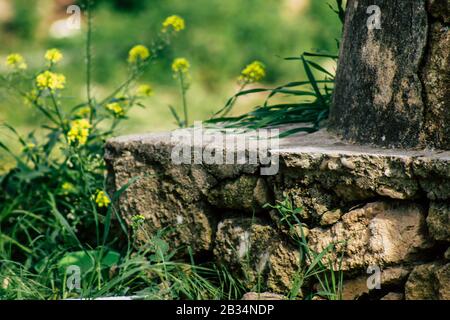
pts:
pixel 438 221
pixel 429 282
pixel 376 200
pixel 379 233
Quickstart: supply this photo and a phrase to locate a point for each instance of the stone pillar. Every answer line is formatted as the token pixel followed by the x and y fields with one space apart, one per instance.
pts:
pixel 393 79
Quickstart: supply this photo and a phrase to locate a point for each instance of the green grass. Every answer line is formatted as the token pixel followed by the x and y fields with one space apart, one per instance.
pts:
pixel 308 102
pixel 304 102
pixel 149 272
pixel 313 266
pixel 50 214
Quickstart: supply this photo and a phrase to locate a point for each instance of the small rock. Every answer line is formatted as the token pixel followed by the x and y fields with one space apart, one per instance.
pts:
pixel 330 217
pixel 443 280
pixel 378 234
pixel 354 288
pixel 391 193
pixel 263 296
pixel 324 165
pixel 395 276
pixel 352 193
pixel 447 254
pixel 348 163
pixel 438 221
pixel 393 296
pixel 333 165
pixel 390 277
pixel 284 267
pixel 429 282
pixel 298 230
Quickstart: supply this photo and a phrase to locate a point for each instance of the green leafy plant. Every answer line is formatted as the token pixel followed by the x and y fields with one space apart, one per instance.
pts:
pixel 180 68
pixel 311 98
pixel 55 210
pixel 313 265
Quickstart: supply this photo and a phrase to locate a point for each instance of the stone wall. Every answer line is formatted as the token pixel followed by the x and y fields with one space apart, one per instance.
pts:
pixel 378 207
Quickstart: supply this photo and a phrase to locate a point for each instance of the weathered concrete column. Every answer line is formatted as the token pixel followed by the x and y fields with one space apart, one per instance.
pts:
pixel 393 80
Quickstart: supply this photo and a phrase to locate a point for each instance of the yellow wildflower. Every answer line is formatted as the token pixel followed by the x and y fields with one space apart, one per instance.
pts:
pixel 138 53
pixel 101 199
pixel 176 23
pixel 50 80
pixel 137 220
pixel 180 65
pixel 67 187
pixel 29 146
pixel 145 90
pixel 116 109
pixel 79 131
pixel 253 72
pixel 16 61
pixel 53 55
pixel 84 112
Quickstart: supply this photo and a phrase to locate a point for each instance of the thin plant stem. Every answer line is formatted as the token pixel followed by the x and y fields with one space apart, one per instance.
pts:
pixel 24 95
pixel 57 111
pixel 125 84
pixel 183 96
pixel 235 99
pixel 224 111
pixel 89 59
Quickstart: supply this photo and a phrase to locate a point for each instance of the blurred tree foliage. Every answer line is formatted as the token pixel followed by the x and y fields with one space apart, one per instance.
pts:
pixel 128 5
pixel 24 19
pixel 220 38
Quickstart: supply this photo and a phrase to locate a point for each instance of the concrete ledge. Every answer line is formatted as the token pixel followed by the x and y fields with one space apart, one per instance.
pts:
pixel 390 206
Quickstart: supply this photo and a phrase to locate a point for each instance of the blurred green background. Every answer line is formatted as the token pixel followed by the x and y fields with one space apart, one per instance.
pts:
pixel 221 37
